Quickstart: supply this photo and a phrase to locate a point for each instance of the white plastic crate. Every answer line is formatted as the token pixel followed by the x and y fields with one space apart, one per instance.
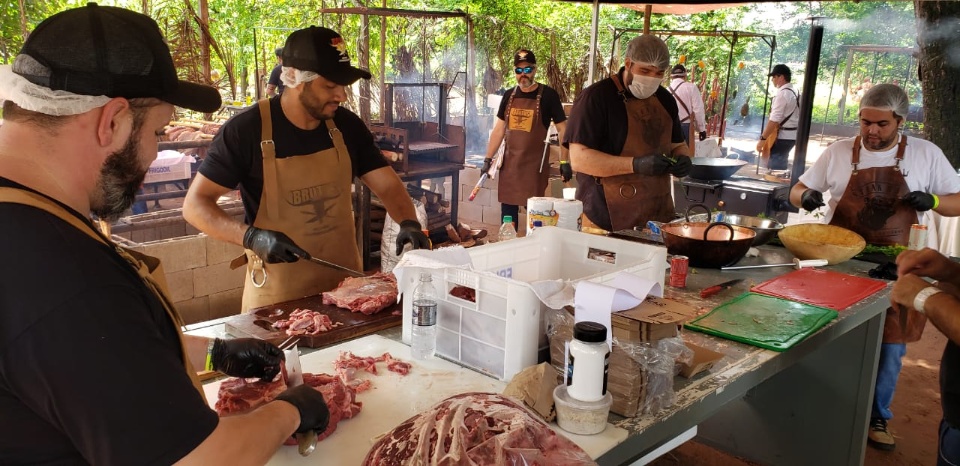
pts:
pixel 500 333
pixel 169 166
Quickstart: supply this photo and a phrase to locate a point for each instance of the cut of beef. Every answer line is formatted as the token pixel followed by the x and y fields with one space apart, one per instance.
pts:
pixel 348 363
pixel 367 295
pixel 477 429
pixel 306 322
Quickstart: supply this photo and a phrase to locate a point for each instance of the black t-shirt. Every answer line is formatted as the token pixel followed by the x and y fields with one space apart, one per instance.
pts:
pixel 950 384
pixel 234 158
pixel 90 364
pixel 599 121
pixel 550 106
pixel 275 78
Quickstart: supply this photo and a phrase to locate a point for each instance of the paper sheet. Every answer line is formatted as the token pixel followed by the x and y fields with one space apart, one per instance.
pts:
pixel 596 301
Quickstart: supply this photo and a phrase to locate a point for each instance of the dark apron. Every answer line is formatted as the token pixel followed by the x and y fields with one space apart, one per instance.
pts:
pixel 523 172
pixel 633 199
pixel 147 267
pixel 870 206
pixel 307 197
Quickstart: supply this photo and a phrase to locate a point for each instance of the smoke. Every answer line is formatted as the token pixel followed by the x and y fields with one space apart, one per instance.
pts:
pixel 944 33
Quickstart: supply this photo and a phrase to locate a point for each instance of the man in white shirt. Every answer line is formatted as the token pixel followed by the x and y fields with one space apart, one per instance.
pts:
pixel 689 102
pixel 784 118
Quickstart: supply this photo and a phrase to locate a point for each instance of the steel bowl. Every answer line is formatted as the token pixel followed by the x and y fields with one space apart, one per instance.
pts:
pixel 765 228
pixel 711 168
pixel 710 245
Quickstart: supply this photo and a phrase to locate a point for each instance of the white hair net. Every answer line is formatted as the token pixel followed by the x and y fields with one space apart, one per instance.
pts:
pixel 887 97
pixel 291 77
pixel 649 50
pixel 40 99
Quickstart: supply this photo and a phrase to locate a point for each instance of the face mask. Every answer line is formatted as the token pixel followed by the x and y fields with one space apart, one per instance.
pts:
pixel 644 86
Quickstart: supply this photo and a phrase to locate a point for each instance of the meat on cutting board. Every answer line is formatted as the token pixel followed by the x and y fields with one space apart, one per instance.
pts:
pixel 367 295
pixel 348 363
pixel 306 322
pixel 475 429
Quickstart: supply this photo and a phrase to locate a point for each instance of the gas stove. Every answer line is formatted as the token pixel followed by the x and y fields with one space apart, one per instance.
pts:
pixel 738 194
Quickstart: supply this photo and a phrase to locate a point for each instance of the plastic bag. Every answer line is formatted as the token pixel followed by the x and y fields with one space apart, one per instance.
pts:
pixel 660 362
pixel 388 240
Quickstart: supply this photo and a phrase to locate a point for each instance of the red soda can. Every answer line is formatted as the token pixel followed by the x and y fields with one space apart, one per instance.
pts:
pixel 918 237
pixel 679 265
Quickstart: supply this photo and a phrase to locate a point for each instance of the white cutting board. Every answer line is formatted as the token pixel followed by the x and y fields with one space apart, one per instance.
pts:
pixel 394 398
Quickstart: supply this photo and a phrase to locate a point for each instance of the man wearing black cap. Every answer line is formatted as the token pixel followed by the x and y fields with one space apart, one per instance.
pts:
pixel 782 125
pixel 294 158
pixel 94 368
pixel 522 122
pixel 689 102
pixel 274 84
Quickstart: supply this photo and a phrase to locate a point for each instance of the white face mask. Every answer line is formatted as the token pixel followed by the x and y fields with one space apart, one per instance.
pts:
pixel 644 86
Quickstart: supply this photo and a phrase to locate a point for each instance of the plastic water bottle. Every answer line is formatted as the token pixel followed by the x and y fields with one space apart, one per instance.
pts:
pixel 507 231
pixel 423 343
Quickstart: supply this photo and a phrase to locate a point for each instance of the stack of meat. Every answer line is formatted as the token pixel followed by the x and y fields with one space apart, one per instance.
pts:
pixel 367 295
pixel 306 322
pixel 182 131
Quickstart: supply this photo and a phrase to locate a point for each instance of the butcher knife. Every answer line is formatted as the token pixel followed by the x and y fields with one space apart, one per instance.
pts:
pixel 339 267
pixel 306 441
pixel 712 290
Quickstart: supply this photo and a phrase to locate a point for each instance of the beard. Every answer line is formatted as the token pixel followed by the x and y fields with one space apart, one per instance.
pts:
pixel 313 105
pixel 879 143
pixel 120 178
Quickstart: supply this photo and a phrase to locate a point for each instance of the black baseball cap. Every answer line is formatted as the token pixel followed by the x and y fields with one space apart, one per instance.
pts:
pixel 323 51
pixel 678 70
pixel 780 69
pixel 524 55
pixel 102 50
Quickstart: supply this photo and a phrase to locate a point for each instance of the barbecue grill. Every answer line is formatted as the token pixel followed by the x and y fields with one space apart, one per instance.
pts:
pixel 738 194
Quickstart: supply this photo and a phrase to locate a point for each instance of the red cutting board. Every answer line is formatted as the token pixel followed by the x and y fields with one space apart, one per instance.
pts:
pixel 259 323
pixel 820 287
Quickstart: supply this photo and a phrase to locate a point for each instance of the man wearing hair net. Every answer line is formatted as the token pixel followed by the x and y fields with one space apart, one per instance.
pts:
pixel 879 184
pixel 275 84
pixel 625 142
pixel 294 158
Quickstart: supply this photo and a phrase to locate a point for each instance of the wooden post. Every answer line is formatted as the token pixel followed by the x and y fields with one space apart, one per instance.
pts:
pixel 205 48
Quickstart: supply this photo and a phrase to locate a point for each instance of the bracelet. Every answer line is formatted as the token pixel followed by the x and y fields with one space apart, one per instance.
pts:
pixel 922 297
pixel 936 201
pixel 564 162
pixel 763 139
pixel 208 365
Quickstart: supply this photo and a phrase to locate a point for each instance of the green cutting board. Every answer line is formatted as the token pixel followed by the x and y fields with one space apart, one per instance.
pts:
pixel 764 321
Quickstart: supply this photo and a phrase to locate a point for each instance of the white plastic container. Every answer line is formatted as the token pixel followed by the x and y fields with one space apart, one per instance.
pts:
pixel 501 332
pixel 581 417
pixel 589 359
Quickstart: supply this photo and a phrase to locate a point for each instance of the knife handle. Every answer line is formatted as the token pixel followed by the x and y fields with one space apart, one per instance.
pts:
pixel 710 291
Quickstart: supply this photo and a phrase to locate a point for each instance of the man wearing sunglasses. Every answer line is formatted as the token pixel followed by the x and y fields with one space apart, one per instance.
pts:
pixel 625 142
pixel 522 123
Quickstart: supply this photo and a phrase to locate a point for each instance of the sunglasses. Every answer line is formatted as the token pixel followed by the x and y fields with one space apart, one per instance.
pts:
pixel 526 70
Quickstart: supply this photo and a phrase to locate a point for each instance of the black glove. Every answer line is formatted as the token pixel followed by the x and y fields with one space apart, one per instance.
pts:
pixel 682 167
pixel 703 135
pixel 411 232
pixel 487 163
pixel 920 200
pixel 566 171
pixel 314 414
pixel 811 200
pixel 272 246
pixel 652 165
pixel 246 358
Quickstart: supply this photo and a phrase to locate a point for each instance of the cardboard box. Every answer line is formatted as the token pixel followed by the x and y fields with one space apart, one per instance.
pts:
pixel 653 319
pixel 703 360
pixel 169 167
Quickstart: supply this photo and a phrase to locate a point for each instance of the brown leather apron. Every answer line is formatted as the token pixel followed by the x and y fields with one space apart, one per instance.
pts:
pixel 870 206
pixel 148 268
pixel 307 197
pixel 522 175
pixel 633 199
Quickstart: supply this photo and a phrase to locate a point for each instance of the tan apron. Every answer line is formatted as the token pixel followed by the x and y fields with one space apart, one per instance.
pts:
pixel 307 197
pixel 522 175
pixel 148 268
pixel 870 206
pixel 633 199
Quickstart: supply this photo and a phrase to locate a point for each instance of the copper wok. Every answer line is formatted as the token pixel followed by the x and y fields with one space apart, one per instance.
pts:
pixel 709 245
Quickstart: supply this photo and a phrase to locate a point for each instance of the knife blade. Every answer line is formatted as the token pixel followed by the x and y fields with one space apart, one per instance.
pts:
pixel 712 290
pixel 339 267
pixel 306 441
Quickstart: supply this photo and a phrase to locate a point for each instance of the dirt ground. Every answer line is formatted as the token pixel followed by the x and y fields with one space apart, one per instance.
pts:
pixel 916 416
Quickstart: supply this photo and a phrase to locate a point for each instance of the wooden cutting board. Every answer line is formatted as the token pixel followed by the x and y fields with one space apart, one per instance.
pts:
pixel 258 324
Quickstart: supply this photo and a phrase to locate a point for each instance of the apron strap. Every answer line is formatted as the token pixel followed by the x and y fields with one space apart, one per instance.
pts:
pixel 682 104
pixel 269 151
pixel 901 150
pixel 855 159
pixel 337 137
pixel 621 90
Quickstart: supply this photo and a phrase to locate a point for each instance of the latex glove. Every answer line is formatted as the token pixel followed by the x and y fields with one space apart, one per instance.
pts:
pixel 652 165
pixel 487 163
pixel 920 200
pixel 411 232
pixel 682 167
pixel 703 135
pixel 811 200
pixel 314 414
pixel 566 171
pixel 272 246
pixel 246 358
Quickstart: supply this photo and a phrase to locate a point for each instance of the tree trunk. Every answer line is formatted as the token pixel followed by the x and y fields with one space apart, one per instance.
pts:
pixel 937 28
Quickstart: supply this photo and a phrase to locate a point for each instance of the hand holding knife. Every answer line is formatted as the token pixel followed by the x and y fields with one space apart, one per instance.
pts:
pixel 710 291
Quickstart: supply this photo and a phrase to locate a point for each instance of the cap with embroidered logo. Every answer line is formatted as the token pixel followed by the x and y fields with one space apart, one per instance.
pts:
pixel 524 55
pixel 323 51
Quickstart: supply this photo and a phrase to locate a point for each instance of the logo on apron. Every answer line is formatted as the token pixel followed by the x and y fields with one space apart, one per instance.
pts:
pixel 521 119
pixel 320 201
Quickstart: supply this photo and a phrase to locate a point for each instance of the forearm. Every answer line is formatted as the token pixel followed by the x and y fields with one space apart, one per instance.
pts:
pixel 203 212
pixel 770 130
pixel 561 129
pixel 251 438
pixel 796 194
pixel 596 163
pixel 949 205
pixel 197 350
pixel 943 310
pixel 679 149
pixel 496 138
pixel 385 183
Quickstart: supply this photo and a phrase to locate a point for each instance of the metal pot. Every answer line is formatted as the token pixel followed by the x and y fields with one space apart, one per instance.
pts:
pixel 765 228
pixel 710 168
pixel 710 245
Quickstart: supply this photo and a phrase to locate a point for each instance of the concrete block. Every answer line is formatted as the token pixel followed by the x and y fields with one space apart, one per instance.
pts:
pixel 184 253
pixel 470 213
pixel 491 215
pixel 188 230
pixel 194 310
pixel 172 231
pixel 216 278
pixel 180 285
pixel 225 303
pixel 221 251
pixel 470 176
pixel 487 197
